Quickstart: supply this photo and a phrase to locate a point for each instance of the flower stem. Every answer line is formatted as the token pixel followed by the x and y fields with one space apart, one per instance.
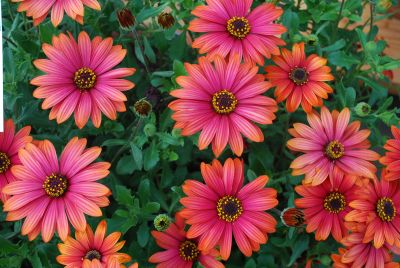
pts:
pixel 145 63
pixel 371 22
pixel 338 19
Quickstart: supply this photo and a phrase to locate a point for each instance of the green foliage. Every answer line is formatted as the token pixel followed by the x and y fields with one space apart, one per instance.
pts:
pixel 149 159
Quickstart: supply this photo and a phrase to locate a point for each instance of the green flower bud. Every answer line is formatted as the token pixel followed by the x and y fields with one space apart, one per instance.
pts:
pixel 162 222
pixel 297 38
pixel 149 130
pixel 382 6
pixel 362 109
pixel 312 40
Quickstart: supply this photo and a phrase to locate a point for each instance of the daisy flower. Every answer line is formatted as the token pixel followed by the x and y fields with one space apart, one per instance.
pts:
pixel 47 190
pixel 180 251
pixel 222 101
pixel 326 205
pixel 224 207
pixel 331 142
pixel 392 157
pixel 92 250
pixel 377 205
pixel 231 28
pixel 79 79
pixel 299 79
pixel 39 9
pixel 10 143
pixel 361 254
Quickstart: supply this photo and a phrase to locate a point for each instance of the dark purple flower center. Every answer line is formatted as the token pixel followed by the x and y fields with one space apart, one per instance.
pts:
pixel 85 78
pixel 188 251
pixel 334 202
pixel 334 150
pixel 386 209
pixel 55 185
pixel 224 102
pixel 229 208
pixel 299 76
pixel 238 27
pixel 4 162
pixel 93 254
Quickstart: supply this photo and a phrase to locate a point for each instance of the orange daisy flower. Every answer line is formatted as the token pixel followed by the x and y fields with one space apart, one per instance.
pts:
pixel 378 205
pixel 299 79
pixel 10 143
pixel 92 250
pixel 223 208
pixel 80 79
pixel 47 190
pixel 331 142
pixel 326 205
pixel 392 157
pixel 39 9
pixel 180 251
pixel 231 28
pixel 222 101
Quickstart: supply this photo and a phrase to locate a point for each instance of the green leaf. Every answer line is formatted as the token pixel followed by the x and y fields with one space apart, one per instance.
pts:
pixel 138 52
pixel 148 50
pixel 144 191
pixel 137 155
pixel 152 207
pixel 335 46
pixel 123 195
pixel 143 235
pixel 126 165
pixel 149 12
pixel 341 59
pixel 298 248
pixel 350 96
pixel 7 247
pixel 113 142
pixel 151 157
pixel 251 263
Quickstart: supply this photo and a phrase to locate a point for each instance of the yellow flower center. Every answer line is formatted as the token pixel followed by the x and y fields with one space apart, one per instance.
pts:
pixel 224 102
pixel 55 185
pixel 299 76
pixel 229 208
pixel 238 27
pixel 84 78
pixel 93 254
pixel 334 150
pixel 334 202
pixel 386 209
pixel 4 162
pixel 188 251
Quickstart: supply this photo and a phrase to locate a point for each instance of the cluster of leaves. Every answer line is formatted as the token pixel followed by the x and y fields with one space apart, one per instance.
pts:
pixel 149 159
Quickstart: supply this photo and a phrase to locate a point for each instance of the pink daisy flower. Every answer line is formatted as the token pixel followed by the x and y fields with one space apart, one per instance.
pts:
pixel 326 205
pixel 93 250
pixel 377 205
pixel 79 79
pixel 331 142
pixel 39 9
pixel 222 101
pixel 180 251
pixel 10 143
pixel 231 28
pixel 224 207
pixel 392 157
pixel 47 190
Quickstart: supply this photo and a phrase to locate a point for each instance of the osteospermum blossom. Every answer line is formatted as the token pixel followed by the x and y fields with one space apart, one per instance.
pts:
pixel 299 79
pixel 326 205
pixel 230 28
pixel 331 142
pixel 180 251
pixel 10 143
pixel 358 253
pixel 224 207
pixel 80 79
pixel 39 9
pixel 92 250
pixel 49 192
pixel 222 101
pixel 392 157
pixel 377 205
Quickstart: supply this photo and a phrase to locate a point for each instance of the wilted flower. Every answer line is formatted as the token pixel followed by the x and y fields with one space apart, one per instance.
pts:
pixel 142 108
pixel 166 20
pixel 125 18
pixel 162 222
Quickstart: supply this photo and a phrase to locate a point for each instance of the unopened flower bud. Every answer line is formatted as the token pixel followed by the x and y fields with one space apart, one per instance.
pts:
pixel 162 222
pixel 362 109
pixel 166 20
pixel 292 217
pixel 125 18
